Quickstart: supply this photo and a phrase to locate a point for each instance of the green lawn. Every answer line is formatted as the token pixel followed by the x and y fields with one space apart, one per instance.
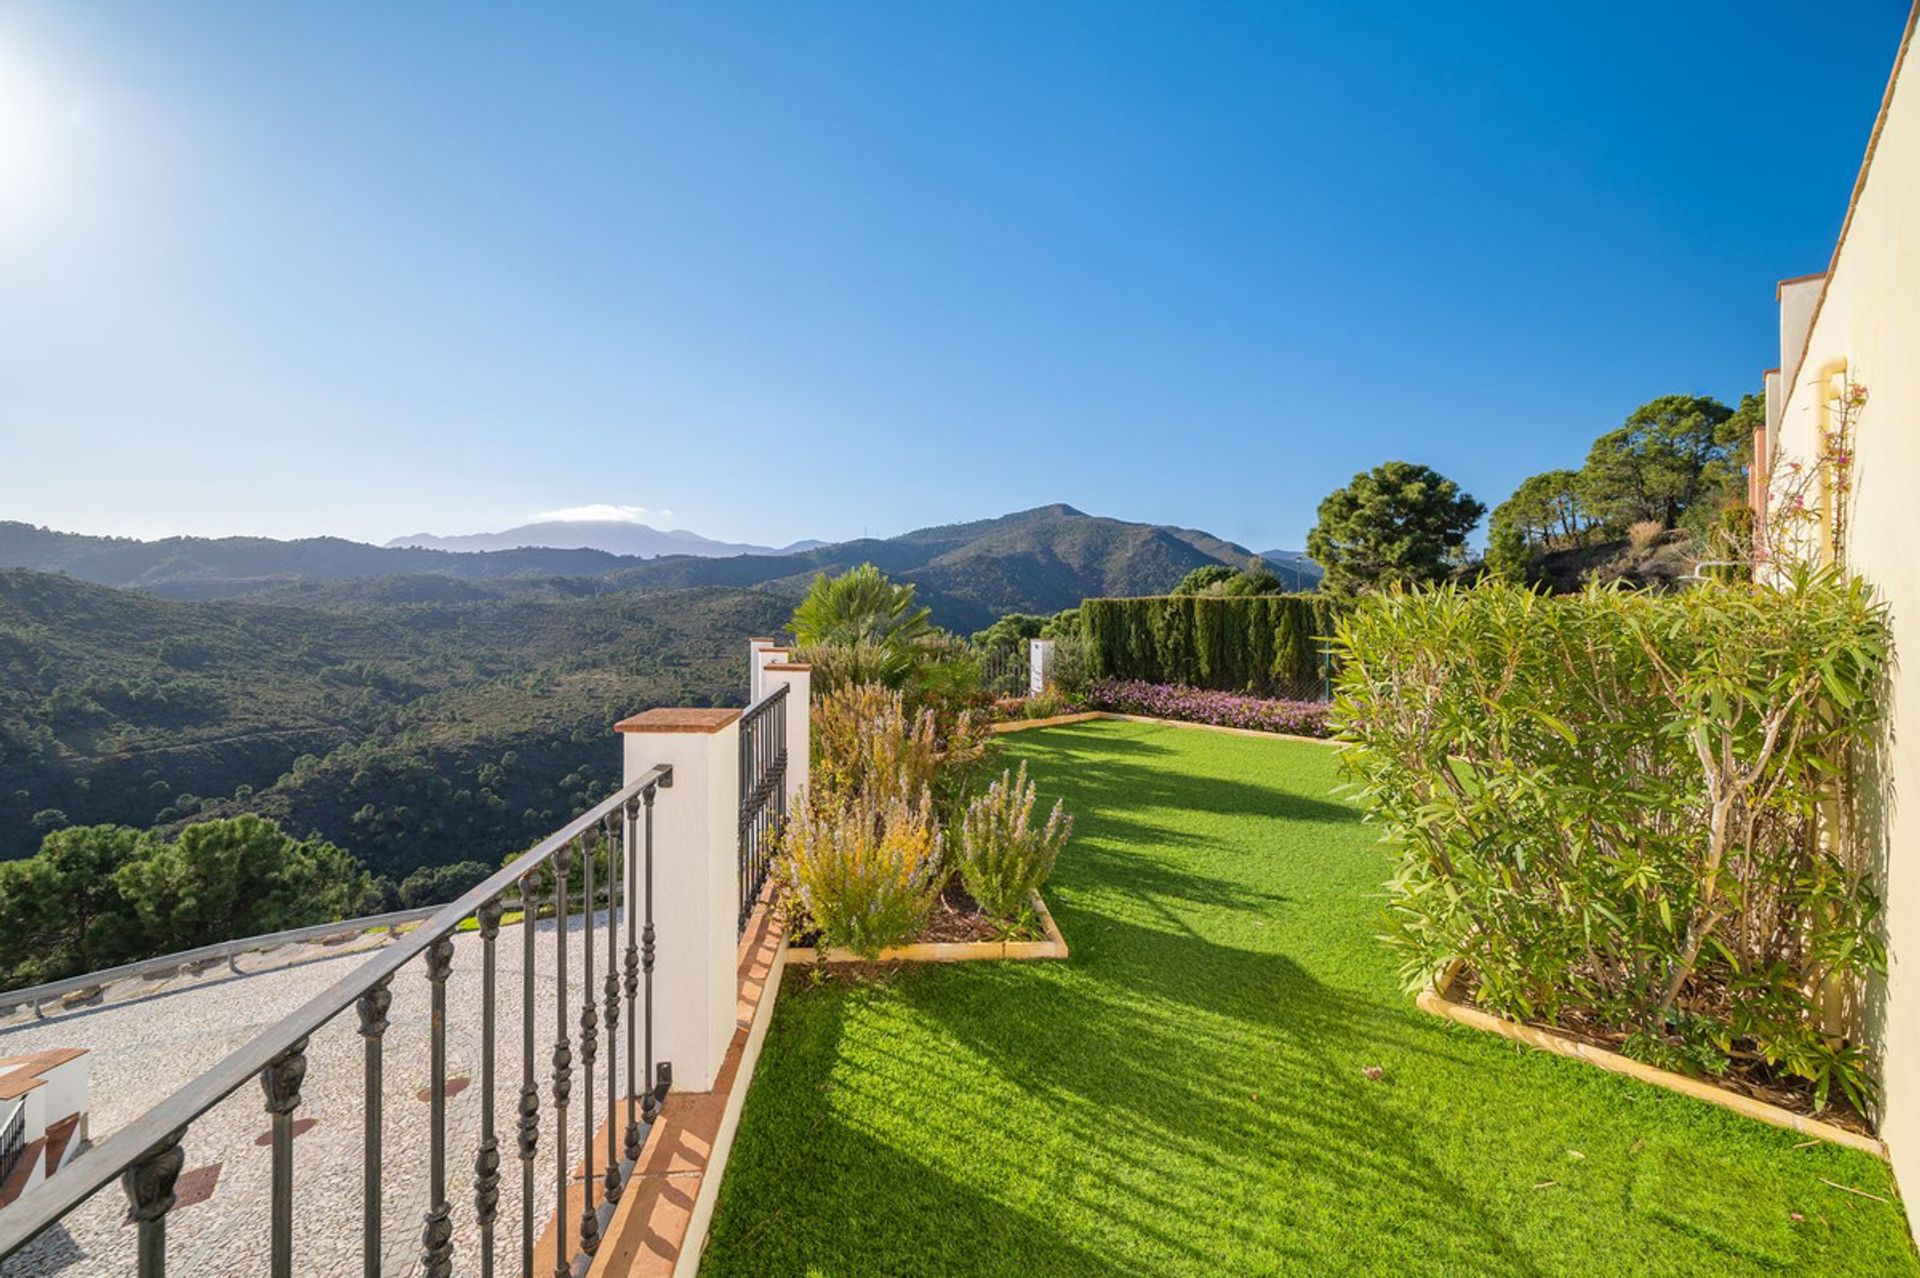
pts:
pixel 1185 1095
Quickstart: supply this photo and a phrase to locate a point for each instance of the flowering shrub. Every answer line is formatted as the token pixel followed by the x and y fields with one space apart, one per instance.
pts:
pixel 1629 812
pixel 1200 705
pixel 1002 855
pixel 868 744
pixel 865 872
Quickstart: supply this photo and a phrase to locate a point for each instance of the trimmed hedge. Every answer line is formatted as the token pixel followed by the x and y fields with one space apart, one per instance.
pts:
pixel 1265 644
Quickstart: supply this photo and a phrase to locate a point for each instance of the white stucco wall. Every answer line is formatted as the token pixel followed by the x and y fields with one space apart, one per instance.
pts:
pixel 1870 317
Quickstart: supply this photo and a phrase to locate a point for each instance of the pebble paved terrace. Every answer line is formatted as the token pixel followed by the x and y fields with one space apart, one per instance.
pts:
pixel 148 1038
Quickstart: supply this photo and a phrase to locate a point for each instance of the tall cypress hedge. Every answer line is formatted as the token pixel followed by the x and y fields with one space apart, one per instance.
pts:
pixel 1268 644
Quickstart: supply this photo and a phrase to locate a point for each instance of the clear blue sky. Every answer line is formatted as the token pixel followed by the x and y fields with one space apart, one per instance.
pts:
pixel 797 270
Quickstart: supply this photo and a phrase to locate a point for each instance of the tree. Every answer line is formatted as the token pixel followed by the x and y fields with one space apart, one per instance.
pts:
pixel 1254 579
pixel 61 910
pixel 1010 631
pixel 861 605
pixel 437 884
pixel 238 877
pixel 1206 576
pixel 1399 522
pixel 1669 454
pixel 1546 509
pixel 1509 554
pixel 1737 432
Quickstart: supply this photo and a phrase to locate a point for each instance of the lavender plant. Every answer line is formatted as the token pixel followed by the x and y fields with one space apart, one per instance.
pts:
pixel 1002 856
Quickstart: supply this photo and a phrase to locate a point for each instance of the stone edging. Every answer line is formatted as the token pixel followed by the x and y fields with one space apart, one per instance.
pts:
pixel 1088 716
pixel 1437 999
pixel 1054 947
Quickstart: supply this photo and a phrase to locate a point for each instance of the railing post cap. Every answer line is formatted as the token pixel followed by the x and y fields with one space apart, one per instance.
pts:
pixel 686 719
pixel 788 665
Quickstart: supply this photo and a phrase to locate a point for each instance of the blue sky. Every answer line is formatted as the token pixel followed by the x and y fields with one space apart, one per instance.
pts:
pixel 822 270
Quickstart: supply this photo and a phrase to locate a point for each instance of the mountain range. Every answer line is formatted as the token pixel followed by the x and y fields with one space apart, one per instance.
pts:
pixel 1038 561
pixel 615 536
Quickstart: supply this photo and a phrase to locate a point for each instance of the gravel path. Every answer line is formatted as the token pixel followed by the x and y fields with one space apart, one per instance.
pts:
pixel 144 1048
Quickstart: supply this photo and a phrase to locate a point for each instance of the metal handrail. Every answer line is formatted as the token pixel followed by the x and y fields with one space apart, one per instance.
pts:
pixel 13 1138
pixel 134 1147
pixel 229 950
pixel 763 793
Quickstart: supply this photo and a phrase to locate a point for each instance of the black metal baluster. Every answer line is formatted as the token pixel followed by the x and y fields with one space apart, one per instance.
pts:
pixel 589 1050
pixel 650 1107
pixel 149 1187
pixel 281 1081
pixel 610 994
pixel 373 1006
pixel 746 812
pixel 486 1163
pixel 436 1234
pixel 529 1092
pixel 562 1063
pixel 633 982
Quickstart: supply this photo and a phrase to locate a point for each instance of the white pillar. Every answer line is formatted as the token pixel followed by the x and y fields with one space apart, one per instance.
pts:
pixel 757 648
pixel 696 883
pixel 798 677
pixel 1039 657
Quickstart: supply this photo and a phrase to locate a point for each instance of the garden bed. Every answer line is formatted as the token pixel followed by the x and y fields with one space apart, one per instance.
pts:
pixel 1755 1097
pixel 959 932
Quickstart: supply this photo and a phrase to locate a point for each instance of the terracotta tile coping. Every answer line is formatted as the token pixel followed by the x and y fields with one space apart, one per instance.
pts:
pixel 762 639
pixel 1438 999
pixel 21 1074
pixel 659 1226
pixel 788 665
pixel 677 720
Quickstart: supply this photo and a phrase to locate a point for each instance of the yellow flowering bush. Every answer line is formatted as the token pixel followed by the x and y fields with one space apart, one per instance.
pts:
pixel 865 871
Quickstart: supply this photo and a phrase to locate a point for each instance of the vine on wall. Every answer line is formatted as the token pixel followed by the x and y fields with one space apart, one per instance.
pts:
pixel 1801 528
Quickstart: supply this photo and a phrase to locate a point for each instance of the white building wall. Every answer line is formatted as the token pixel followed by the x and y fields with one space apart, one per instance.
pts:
pixel 1869 317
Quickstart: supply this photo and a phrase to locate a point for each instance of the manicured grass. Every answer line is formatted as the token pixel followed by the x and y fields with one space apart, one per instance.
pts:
pixel 1185 1095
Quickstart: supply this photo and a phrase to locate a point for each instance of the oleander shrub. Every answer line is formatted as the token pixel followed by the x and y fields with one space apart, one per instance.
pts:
pixel 864 871
pixel 1200 705
pixel 1624 812
pixel 1001 855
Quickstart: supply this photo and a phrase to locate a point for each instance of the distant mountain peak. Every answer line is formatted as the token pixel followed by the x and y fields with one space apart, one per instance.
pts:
pixel 624 536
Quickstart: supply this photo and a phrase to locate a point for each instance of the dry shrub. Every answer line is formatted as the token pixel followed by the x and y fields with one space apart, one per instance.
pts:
pixel 1642 534
pixel 866 872
pixel 868 745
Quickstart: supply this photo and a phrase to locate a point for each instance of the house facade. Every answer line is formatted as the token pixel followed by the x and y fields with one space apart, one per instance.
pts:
pixel 1834 481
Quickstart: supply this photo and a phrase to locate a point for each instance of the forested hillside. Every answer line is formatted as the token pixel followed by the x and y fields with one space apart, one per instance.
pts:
pixel 408 733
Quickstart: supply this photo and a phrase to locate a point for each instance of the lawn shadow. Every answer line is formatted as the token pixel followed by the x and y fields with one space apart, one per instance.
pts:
pixel 833 1199
pixel 1231 1067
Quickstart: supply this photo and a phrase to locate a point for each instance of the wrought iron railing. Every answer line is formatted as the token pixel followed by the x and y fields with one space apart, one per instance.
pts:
pixel 13 1139
pixel 763 792
pixel 206 955
pixel 1004 670
pixel 616 835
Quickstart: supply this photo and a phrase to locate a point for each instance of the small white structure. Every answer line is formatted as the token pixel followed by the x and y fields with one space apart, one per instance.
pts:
pixel 43 1116
pixel 1039 664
